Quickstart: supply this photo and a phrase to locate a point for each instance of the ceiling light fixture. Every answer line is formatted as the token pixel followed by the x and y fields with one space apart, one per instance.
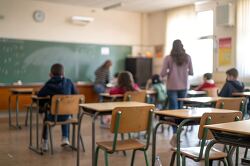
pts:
pixel 113 6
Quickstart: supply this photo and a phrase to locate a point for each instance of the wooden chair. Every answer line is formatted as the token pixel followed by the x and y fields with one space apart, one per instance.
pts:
pixel 139 96
pixel 198 153
pixel 65 105
pixel 125 120
pixel 212 92
pixel 236 103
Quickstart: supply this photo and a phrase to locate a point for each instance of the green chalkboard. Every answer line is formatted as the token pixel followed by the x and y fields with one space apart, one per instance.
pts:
pixel 30 61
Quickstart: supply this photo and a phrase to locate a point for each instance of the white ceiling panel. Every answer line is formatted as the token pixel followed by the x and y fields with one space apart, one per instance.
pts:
pixel 128 5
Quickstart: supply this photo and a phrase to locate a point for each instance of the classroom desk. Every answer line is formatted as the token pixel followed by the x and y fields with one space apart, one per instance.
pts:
pixel 96 109
pixel 35 102
pixel 119 97
pixel 183 117
pixel 17 92
pixel 195 93
pixel 242 94
pixel 232 133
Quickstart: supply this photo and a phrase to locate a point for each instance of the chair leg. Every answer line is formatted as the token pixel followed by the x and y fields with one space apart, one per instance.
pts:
pixel 210 162
pixel 173 159
pixel 96 155
pixel 183 161
pixel 133 158
pixel 225 162
pixel 73 136
pixel 50 140
pixel 237 156
pixel 122 138
pixel 106 158
pixel 83 148
pixel 146 158
pixel 27 116
pixel 245 154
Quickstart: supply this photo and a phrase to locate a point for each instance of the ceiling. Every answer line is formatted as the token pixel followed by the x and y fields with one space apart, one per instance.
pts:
pixel 128 5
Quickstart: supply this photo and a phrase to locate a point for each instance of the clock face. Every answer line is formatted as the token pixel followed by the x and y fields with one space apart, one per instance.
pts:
pixel 39 16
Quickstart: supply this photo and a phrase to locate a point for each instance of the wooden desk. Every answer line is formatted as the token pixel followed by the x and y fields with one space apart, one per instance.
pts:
pixel 195 93
pixel 96 109
pixel 184 117
pixel 17 92
pixel 35 101
pixel 200 100
pixel 119 97
pixel 243 94
pixel 232 133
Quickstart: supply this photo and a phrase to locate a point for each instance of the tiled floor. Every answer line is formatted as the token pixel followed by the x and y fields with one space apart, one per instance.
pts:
pixel 14 149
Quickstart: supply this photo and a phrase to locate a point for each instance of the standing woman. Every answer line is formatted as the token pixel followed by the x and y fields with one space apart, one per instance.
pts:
pixel 177 66
pixel 102 76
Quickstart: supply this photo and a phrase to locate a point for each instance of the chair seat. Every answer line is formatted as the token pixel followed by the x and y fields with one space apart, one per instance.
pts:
pixel 121 145
pixel 193 152
pixel 69 121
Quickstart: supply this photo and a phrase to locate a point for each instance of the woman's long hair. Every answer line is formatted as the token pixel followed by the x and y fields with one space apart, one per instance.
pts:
pixel 126 81
pixel 178 53
pixel 106 64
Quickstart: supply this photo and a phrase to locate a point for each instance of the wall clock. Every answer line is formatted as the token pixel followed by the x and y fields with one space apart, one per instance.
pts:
pixel 39 16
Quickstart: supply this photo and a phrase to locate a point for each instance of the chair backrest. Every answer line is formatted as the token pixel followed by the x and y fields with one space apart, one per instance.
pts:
pixel 236 103
pixel 211 92
pixel 215 118
pixel 66 104
pixel 139 96
pixel 131 119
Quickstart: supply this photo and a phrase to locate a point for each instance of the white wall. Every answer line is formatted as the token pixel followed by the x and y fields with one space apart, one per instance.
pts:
pixel 109 27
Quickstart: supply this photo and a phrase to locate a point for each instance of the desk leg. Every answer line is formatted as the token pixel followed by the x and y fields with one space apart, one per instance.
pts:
pixel 31 125
pixel 93 138
pixel 154 142
pixel 17 112
pixel 78 139
pixel 37 127
pixel 9 109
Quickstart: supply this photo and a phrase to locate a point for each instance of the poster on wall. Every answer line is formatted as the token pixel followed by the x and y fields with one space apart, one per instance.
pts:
pixel 225 52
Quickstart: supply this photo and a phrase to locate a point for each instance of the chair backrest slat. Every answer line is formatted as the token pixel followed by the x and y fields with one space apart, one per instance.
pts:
pixel 133 119
pixel 212 92
pixel 139 96
pixel 66 104
pixel 236 103
pixel 215 119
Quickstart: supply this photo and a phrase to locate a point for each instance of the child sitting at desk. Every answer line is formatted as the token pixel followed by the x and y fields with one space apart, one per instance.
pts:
pixel 161 91
pixel 232 84
pixel 208 82
pixel 125 83
pixel 57 84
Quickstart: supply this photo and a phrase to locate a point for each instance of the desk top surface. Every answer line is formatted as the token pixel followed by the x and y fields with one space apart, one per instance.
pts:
pixel 238 127
pixel 191 113
pixel 200 99
pixel 21 90
pixel 195 92
pixel 109 106
pixel 241 94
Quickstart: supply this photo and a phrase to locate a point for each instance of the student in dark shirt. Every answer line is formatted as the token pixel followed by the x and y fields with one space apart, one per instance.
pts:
pixel 232 84
pixel 57 84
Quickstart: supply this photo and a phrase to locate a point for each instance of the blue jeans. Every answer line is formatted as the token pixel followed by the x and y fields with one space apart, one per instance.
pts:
pixel 65 128
pixel 174 103
pixel 99 88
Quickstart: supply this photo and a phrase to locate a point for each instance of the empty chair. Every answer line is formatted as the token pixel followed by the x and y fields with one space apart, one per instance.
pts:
pixel 198 153
pixel 65 105
pixel 125 120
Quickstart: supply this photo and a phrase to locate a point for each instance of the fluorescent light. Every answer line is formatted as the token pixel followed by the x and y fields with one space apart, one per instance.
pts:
pixel 82 19
pixel 113 6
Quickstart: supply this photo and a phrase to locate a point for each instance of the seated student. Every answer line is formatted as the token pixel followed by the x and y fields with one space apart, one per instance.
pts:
pixel 232 84
pixel 57 84
pixel 160 89
pixel 125 83
pixel 208 82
